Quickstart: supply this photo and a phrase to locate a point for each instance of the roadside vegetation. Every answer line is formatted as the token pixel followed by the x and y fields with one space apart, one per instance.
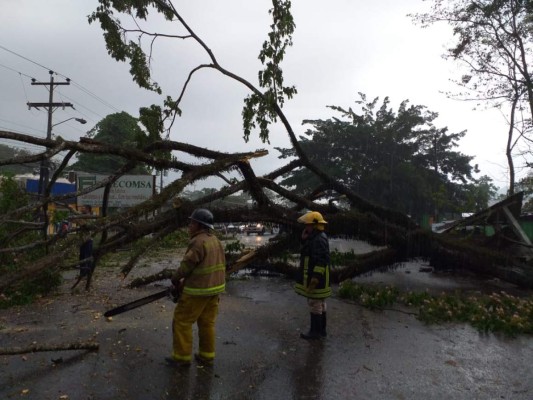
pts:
pixel 45 282
pixel 11 198
pixel 497 312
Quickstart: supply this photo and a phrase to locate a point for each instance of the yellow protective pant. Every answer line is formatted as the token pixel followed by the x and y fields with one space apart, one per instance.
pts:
pixel 190 309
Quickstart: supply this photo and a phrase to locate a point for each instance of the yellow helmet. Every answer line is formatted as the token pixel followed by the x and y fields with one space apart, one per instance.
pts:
pixel 312 217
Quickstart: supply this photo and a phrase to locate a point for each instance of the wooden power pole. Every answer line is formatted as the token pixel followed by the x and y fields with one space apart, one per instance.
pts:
pixel 44 174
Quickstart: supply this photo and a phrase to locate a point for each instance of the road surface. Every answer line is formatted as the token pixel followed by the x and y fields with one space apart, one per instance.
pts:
pixel 367 355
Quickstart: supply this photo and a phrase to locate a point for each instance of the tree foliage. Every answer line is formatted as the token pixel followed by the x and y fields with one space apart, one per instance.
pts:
pixel 493 43
pixel 19 234
pixel 119 128
pixel 400 237
pixel 526 185
pixel 260 108
pixel 397 159
pixel 7 152
pixel 476 196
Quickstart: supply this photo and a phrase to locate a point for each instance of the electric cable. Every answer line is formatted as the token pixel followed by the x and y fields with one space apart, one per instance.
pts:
pixel 87 91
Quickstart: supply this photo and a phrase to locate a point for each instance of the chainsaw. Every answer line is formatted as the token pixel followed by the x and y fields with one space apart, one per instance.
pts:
pixel 170 292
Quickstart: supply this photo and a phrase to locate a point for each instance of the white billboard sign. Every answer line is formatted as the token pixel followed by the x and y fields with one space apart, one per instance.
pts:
pixel 127 191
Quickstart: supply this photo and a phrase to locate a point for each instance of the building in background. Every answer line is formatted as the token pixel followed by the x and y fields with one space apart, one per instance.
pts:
pixel 126 191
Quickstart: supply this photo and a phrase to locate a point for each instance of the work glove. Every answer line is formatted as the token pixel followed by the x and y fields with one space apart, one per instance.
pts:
pixel 176 281
pixel 174 294
pixel 176 289
pixel 312 285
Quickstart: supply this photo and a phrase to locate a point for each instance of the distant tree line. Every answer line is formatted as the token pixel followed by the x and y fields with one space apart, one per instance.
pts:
pixel 8 152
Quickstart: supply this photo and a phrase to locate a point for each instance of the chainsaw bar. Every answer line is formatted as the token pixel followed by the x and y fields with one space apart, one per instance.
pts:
pixel 137 303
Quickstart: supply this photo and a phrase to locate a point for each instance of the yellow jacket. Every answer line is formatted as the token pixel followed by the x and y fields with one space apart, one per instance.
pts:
pixel 203 266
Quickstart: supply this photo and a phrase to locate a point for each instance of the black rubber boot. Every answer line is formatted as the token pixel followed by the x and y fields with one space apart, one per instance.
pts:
pixel 314 332
pixel 323 331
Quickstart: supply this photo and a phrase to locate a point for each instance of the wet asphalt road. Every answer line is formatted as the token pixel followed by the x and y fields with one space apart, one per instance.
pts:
pixel 367 355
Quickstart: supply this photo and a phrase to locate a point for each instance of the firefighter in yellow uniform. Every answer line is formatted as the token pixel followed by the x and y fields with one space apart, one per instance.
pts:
pixel 200 278
pixel 313 281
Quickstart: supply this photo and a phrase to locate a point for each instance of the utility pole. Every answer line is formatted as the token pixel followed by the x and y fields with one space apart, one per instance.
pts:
pixel 44 174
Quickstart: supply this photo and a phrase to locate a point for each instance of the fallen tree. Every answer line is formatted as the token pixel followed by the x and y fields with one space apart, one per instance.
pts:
pixel 399 236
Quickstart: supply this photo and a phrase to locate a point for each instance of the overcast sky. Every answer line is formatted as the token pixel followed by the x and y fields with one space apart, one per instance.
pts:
pixel 341 47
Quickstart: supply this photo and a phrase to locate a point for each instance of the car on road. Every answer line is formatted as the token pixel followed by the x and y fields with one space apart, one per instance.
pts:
pixel 257 228
pixel 220 228
pixel 232 228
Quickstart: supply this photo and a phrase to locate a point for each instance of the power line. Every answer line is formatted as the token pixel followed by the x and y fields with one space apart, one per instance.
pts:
pixel 20 74
pixel 87 91
pixel 14 70
pixel 93 95
pixel 23 88
pixel 80 105
pixel 32 148
pixel 24 126
pixel 25 58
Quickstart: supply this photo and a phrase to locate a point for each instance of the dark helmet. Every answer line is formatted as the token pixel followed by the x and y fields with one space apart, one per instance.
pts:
pixel 203 216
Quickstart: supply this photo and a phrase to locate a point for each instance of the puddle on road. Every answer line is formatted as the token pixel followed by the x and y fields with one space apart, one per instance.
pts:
pixel 418 275
pixel 412 276
pixel 348 245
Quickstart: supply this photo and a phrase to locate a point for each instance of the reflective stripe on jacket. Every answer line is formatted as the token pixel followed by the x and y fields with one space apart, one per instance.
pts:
pixel 203 266
pixel 314 263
